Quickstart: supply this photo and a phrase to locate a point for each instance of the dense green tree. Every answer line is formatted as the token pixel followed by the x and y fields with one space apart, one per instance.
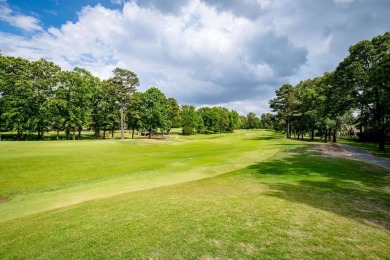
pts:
pixel 174 114
pixel 311 98
pixel 3 85
pixel 154 110
pixel 38 96
pixel 252 121
pixel 267 121
pixel 110 108
pixel 218 119
pixel 3 108
pixel 43 80
pixel 363 80
pixel 88 84
pixel 189 119
pixel 210 118
pixel 234 121
pixel 133 118
pixel 244 122
pixel 15 94
pixel 72 100
pixel 223 118
pixel 314 106
pixel 97 116
pixel 285 104
pixel 325 104
pixel 124 82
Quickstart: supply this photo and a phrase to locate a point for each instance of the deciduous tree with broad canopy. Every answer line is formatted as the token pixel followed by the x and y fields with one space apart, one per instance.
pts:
pixel 154 110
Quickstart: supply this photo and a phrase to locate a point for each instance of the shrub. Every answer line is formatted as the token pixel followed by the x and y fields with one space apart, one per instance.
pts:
pixel 187 130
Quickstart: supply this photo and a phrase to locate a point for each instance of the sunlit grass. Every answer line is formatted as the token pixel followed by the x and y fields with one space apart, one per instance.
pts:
pixel 37 176
pixel 261 197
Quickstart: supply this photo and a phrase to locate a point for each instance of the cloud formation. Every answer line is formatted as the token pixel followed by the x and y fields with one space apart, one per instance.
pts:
pixel 24 22
pixel 207 52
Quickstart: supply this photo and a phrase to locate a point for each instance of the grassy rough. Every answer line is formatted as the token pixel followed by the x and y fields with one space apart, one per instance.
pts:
pixel 294 204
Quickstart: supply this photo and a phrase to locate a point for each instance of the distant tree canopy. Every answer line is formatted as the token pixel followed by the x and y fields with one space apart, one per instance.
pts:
pixel 37 97
pixel 359 85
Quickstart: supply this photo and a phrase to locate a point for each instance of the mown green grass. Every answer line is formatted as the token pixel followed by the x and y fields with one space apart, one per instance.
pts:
pixel 289 203
pixel 37 176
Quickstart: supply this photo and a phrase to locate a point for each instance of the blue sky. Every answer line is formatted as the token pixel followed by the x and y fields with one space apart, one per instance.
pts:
pixel 51 13
pixel 233 53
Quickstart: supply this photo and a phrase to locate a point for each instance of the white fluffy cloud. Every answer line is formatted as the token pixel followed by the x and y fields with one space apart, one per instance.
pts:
pixel 24 22
pixel 232 53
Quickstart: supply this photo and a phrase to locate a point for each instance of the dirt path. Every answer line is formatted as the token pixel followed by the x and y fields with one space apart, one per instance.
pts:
pixel 352 153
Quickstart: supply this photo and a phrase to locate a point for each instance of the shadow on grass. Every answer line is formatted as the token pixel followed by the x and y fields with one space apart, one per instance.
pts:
pixel 264 138
pixel 47 137
pixel 348 188
pixel 308 140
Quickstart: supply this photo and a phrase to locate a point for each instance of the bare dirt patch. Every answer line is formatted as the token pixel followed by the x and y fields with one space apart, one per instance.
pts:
pixel 351 153
pixel 3 200
pixel 332 151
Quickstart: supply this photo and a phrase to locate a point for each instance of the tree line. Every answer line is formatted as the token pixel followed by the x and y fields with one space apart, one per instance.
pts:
pixel 356 93
pixel 37 97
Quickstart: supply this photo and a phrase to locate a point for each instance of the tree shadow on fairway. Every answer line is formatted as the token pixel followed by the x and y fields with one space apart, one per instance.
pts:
pixel 348 188
pixel 264 138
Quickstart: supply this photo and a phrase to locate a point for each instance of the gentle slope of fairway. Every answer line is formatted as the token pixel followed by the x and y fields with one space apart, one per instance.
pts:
pixel 290 203
pixel 39 176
